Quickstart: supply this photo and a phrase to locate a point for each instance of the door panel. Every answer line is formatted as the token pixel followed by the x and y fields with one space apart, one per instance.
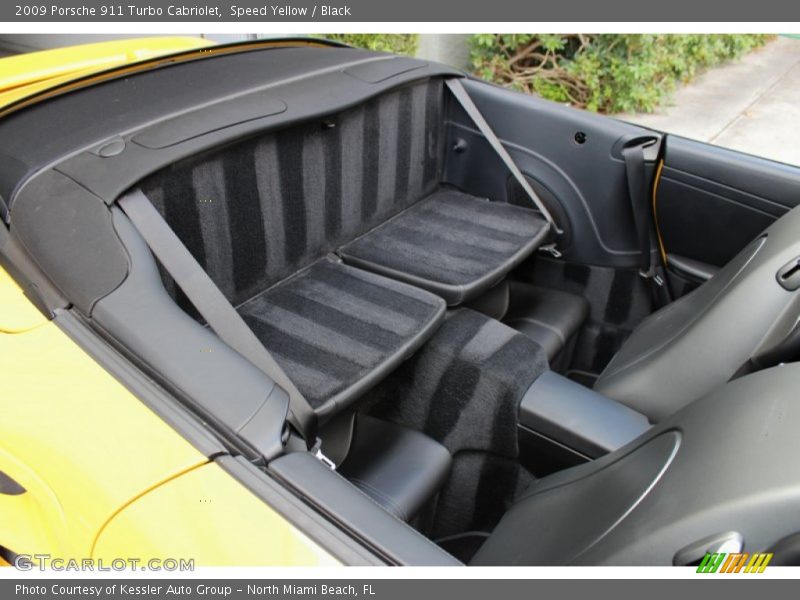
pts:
pixel 711 201
pixel 571 156
pixel 574 160
pixel 32 517
pixel 205 515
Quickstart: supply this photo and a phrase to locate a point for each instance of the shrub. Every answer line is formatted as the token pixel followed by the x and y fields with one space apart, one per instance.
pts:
pixel 399 43
pixel 603 72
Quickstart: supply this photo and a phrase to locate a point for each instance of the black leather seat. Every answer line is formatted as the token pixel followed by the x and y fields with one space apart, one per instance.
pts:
pixel 549 317
pixel 399 468
pixel 745 317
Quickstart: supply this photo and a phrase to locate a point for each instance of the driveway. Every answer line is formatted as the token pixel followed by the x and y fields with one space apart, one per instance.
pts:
pixel 751 105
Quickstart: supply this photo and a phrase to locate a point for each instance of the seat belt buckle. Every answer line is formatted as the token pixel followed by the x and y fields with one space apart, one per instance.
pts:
pixel 651 274
pixel 316 451
pixel 551 250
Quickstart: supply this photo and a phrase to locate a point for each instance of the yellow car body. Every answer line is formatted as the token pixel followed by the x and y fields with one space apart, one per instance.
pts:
pixel 93 472
pixel 26 74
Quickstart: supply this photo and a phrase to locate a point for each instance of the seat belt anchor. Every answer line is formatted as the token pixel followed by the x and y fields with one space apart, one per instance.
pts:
pixel 651 274
pixel 318 454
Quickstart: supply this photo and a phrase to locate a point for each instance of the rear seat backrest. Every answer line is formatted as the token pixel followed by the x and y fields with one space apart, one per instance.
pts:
pixel 255 212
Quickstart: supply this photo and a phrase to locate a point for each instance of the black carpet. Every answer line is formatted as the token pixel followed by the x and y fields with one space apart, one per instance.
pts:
pixel 332 325
pixel 449 242
pixel 463 389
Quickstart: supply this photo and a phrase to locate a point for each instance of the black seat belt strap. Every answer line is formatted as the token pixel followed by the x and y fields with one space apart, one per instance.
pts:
pixel 644 221
pixel 212 304
pixel 460 94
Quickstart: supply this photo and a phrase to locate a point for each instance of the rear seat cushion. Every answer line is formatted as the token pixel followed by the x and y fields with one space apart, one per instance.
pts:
pixel 549 317
pixel 337 330
pixel 401 469
pixel 451 243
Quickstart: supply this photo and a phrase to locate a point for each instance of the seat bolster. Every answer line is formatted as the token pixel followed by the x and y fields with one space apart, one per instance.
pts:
pixel 401 469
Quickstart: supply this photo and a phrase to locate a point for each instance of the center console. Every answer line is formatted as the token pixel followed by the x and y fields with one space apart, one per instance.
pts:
pixel 562 423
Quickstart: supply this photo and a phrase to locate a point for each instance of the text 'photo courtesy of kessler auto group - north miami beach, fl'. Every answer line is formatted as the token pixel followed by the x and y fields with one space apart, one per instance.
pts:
pixel 492 292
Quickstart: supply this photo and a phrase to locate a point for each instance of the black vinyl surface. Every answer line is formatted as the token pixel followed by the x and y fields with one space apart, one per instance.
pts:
pixel 712 201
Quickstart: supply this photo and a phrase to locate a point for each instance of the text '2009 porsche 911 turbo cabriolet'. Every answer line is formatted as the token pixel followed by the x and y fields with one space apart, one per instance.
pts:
pixel 295 302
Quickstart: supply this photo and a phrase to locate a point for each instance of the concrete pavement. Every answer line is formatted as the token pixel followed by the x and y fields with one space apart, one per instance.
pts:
pixel 751 105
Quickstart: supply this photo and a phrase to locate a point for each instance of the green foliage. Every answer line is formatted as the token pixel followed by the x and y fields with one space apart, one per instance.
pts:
pixel 603 72
pixel 399 43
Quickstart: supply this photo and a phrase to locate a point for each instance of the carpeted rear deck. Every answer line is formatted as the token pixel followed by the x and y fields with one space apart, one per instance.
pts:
pixel 451 243
pixel 268 208
pixel 331 326
pixel 255 212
